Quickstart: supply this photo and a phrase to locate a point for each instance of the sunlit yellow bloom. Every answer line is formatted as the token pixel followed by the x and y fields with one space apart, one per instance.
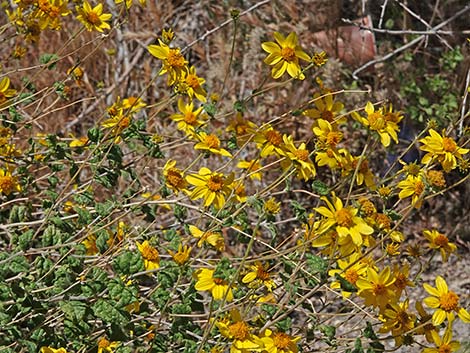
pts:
pixel 344 220
pixel 271 206
pixel 326 109
pixel 168 35
pixel 243 128
pixel 49 12
pixel 284 55
pixel 357 165
pixel 252 168
pixel 239 191
pixel 445 302
pixel 8 183
pixel 441 242
pixel 269 141
pixel 191 84
pixel 213 187
pixel 384 123
pixel 218 287
pixel 52 350
pixel 444 345
pixel 150 255
pixel 238 330
pixel 259 276
pixel 398 320
pixel 212 238
pixel 329 157
pixel 106 346
pixel 189 119
pixel 173 61
pixel 279 342
pixel 436 179
pixel 174 177
pixel 210 143
pixel 376 289
pixel 93 18
pixel 327 133
pixel 79 142
pixel 90 245
pixel 117 123
pixel 299 157
pixel 133 104
pixel 443 149
pixel 5 92
pixel 351 269
pixel 182 255
pixel 412 186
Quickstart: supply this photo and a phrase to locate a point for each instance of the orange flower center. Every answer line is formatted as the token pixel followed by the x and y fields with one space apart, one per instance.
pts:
pixel 103 343
pixel 344 218
pixel 327 115
pixel 281 340
pixel 190 118
pixel 441 240
pixel 192 81
pixel 175 59
pixel 212 141
pixel 449 144
pixel 124 122
pixel 7 184
pixel 419 187
pixel 175 178
pixel 351 275
pixel 218 281
pixel 261 273
pixel 274 137
pixel 400 281
pixel 215 183
pixel 445 348
pixel 301 155
pixel 449 301
pixel 239 330
pixel 149 253
pixel 376 121
pixel 333 138
pixel 93 18
pixel 288 54
pixel 378 289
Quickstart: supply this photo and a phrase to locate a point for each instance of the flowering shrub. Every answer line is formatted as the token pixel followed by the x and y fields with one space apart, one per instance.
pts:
pixel 182 221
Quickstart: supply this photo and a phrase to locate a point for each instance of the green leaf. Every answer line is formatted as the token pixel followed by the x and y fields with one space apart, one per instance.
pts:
pixel 73 310
pixel 358 346
pixel 316 264
pixel 345 284
pixel 106 310
pixel 47 58
pixel 210 109
pixel 128 263
pixel 320 188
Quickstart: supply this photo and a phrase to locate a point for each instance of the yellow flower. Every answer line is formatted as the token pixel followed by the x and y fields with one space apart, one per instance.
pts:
pixel 243 128
pixel 52 350
pixel 271 206
pixel 299 157
pixel 173 61
pixel 8 183
pixel 93 18
pixel 174 177
pixel 213 187
pixel 284 55
pixel 90 245
pixel 402 278
pixel 359 165
pixel 238 330
pixel 279 342
pixel 212 238
pixel 191 84
pixel 425 325
pixel 351 269
pixel 344 220
pixel 210 143
pixel 376 289
pixel 445 302
pixel 253 168
pixel 218 287
pixel 150 255
pixel 326 109
pixel 189 119
pixel 182 255
pixel 79 142
pixel 117 123
pixel 412 186
pixel 48 13
pixel 398 321
pixel 443 149
pixel 444 345
pixel 133 104
pixel 5 92
pixel 106 346
pixel 385 124
pixel 441 242
pixel 259 276
pixel 269 141
pixel 327 133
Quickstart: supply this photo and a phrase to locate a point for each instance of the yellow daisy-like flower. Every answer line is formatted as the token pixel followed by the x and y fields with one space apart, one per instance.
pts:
pixel 210 143
pixel 52 350
pixel 218 287
pixel 279 342
pixel 445 302
pixel 284 55
pixel 425 325
pixel 440 241
pixel 182 255
pixel 117 123
pixel 93 18
pixel 253 168
pixel 5 92
pixel 150 255
pixel 191 85
pixel 212 238
pixel 351 269
pixel 8 183
pixel 398 320
pixel 90 245
pixel 188 119
pixel 133 104
pixel 269 141
pixel 213 187
pixel 344 220
pixel 298 157
pixel 412 186
pixel 326 109
pixel 174 62
pixel 259 276
pixel 174 177
pixel 327 133
pixel 443 149
pixel 106 346
pixel 444 344
pixel 243 128
pixel 377 288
